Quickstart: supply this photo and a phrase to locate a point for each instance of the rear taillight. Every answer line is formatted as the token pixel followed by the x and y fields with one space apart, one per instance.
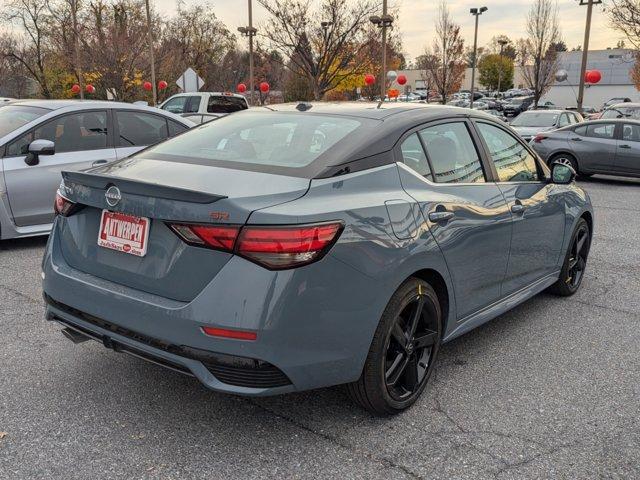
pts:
pixel 538 138
pixel 274 247
pixel 63 206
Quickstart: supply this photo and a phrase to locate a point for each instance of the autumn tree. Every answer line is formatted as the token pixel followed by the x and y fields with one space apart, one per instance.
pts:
pixel 446 64
pixel 323 39
pixel 508 49
pixel 539 58
pixel 496 70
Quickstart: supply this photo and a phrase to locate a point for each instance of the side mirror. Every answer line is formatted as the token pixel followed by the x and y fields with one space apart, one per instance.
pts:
pixel 37 148
pixel 562 174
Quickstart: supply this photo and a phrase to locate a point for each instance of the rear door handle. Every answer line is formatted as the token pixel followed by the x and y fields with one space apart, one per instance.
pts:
pixel 517 208
pixel 625 146
pixel 576 139
pixel 441 216
pixel 98 162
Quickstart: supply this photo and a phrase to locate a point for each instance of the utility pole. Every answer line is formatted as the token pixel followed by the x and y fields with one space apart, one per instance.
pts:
pixel 502 43
pixel 585 49
pixel 383 22
pixel 475 12
pixel 76 46
pixel 152 59
pixel 250 32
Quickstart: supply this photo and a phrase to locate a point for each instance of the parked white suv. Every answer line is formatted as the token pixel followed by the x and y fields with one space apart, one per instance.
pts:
pixel 204 104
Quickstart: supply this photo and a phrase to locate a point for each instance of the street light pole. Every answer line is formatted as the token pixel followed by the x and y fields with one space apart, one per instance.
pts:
pixel 476 12
pixel 76 46
pixel 585 49
pixel 250 32
pixel 152 59
pixel 383 22
pixel 502 43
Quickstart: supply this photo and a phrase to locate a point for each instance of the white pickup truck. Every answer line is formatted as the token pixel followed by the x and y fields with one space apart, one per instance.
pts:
pixel 202 107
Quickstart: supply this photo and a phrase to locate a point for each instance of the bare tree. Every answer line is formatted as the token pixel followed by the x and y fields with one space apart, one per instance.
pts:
pixel 322 41
pixel 446 59
pixel 624 16
pixel 539 58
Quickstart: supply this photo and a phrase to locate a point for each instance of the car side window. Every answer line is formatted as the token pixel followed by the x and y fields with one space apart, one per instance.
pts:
pixel 513 161
pixel 582 131
pixel 175 128
pixel 70 133
pixel 631 133
pixel 601 130
pixel 413 156
pixel 140 129
pixel 564 120
pixel 184 104
pixel 452 153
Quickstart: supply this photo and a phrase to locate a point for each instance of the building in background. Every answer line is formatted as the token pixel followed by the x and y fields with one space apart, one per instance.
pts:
pixel 614 64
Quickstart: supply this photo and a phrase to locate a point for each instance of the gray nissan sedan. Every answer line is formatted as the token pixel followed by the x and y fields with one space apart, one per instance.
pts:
pixel 301 246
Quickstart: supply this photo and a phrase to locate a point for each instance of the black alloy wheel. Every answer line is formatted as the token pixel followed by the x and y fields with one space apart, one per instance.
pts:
pixel 575 262
pixel 403 351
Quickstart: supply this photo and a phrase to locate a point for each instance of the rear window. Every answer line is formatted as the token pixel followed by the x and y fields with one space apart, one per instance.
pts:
pixel 535 119
pixel 270 139
pixel 622 112
pixel 13 117
pixel 225 104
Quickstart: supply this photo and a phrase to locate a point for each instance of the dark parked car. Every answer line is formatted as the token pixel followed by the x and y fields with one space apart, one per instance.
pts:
pixel 528 124
pixel 600 146
pixel 516 105
pixel 294 247
pixel 622 110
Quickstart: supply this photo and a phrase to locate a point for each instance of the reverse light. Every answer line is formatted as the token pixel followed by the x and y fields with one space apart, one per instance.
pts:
pixel 274 247
pixel 62 205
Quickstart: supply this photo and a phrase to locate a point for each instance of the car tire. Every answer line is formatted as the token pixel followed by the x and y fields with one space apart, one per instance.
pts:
pixel 575 261
pixel 566 159
pixel 395 375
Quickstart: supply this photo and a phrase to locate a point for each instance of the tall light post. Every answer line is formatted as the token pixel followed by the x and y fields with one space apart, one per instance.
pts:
pixel 250 31
pixel 76 46
pixel 152 59
pixel 585 49
pixel 502 43
pixel 383 22
pixel 476 12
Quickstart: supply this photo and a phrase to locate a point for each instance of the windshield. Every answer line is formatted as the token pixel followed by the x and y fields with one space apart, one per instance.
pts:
pixel 535 119
pixel 622 112
pixel 13 117
pixel 273 139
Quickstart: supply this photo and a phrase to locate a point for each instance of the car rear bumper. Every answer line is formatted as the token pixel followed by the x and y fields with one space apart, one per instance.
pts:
pixel 314 324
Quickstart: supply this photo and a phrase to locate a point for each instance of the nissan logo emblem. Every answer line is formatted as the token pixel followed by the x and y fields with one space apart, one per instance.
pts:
pixel 112 195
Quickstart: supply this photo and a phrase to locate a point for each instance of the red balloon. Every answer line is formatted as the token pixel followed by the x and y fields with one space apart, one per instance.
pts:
pixel 162 85
pixel 369 79
pixel 264 87
pixel 401 79
pixel 241 88
pixel 593 76
pixel 90 88
pixel 75 89
pixel 147 85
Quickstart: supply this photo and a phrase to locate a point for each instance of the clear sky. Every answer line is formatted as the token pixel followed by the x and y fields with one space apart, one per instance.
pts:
pixel 417 18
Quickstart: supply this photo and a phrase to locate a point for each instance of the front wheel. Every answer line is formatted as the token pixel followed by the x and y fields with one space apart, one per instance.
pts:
pixel 403 351
pixel 575 261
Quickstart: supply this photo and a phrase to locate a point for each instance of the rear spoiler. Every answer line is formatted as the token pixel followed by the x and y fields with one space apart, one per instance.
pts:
pixel 136 187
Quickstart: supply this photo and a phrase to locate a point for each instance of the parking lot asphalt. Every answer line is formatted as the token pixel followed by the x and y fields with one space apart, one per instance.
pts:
pixel 548 390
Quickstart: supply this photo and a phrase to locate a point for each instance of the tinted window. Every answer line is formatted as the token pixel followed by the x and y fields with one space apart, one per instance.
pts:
pixel 175 128
pixel 225 104
pixel 452 153
pixel 13 117
pixel 513 161
pixel 273 139
pixel 70 133
pixel 631 133
pixel 183 104
pixel 414 157
pixel 600 130
pixel 140 129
